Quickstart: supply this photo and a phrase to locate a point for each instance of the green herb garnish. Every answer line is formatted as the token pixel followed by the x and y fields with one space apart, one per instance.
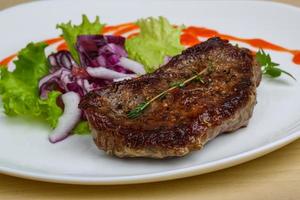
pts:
pixel 268 67
pixel 178 84
pixel 138 110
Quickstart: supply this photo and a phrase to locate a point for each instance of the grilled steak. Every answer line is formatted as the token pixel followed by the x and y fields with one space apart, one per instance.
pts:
pixel 186 118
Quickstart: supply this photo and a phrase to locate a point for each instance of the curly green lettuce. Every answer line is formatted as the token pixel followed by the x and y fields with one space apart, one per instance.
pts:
pixel 70 32
pixel 157 39
pixel 19 89
pixel 82 128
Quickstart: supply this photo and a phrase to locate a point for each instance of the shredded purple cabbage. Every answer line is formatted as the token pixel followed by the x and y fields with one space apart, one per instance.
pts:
pixel 103 60
pixel 94 51
pixel 100 50
pixel 65 76
pixel 62 59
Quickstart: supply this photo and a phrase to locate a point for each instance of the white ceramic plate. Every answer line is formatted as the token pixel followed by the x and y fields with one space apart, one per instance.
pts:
pixel 26 152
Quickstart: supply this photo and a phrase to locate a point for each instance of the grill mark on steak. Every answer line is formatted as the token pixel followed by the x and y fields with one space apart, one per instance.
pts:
pixel 186 118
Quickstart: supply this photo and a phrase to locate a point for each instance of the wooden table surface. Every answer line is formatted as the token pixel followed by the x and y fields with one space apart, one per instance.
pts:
pixel 274 176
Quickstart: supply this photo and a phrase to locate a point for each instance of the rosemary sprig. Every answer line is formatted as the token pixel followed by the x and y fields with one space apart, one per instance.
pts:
pixel 139 109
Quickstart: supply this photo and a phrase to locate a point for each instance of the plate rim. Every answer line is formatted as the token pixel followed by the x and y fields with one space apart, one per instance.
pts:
pixel 160 176
pixel 157 176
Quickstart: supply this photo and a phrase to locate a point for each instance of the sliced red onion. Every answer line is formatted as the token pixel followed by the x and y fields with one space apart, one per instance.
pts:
pixel 109 51
pixel 59 80
pixel 112 48
pixel 104 73
pixel 61 59
pixel 49 77
pixel 68 119
pixel 52 60
pixel 66 78
pixel 50 82
pixel 100 50
pixel 132 65
pixel 115 39
pixel 87 86
pixel 122 79
pixel 74 87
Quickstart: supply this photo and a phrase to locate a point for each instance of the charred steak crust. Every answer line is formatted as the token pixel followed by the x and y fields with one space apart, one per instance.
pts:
pixel 185 119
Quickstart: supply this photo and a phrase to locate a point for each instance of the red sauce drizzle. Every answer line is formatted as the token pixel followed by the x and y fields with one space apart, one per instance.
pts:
pixel 296 58
pixel 7 60
pixel 107 29
pixel 189 37
pixel 196 32
pixel 53 40
pixel 62 46
pixel 132 35
pixel 126 30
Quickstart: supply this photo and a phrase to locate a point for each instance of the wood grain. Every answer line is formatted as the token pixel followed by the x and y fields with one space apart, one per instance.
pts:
pixel 275 176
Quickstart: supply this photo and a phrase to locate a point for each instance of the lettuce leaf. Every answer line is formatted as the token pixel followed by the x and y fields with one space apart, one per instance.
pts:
pixel 70 32
pixel 157 39
pixel 19 89
pixel 82 128
pixel 52 111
